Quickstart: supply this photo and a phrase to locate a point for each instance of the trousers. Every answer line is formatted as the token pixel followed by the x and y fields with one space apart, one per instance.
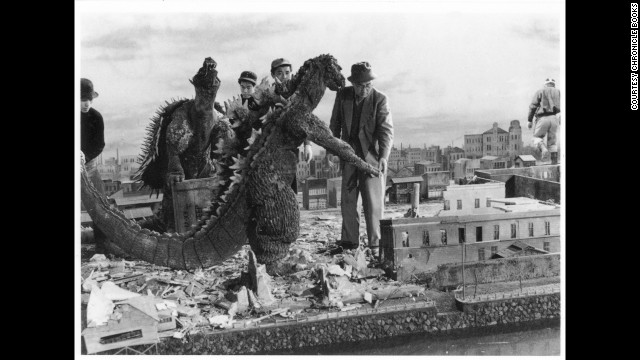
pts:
pixel 371 190
pixel 546 125
pixel 92 171
pixel 94 175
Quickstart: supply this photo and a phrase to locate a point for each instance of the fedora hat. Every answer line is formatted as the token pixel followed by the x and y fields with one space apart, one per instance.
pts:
pixel 248 76
pixel 86 89
pixel 279 62
pixel 361 72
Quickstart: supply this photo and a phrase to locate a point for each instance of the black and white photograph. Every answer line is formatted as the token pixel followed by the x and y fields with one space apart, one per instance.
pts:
pixel 312 177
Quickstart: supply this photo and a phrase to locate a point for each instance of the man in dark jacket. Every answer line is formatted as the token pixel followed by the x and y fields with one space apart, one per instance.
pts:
pixel 91 132
pixel 92 144
pixel 361 115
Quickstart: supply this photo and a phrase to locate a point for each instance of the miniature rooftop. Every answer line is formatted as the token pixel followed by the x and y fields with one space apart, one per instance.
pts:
pixel 139 199
pixel 503 205
pixel 135 213
pixel 526 157
pixel 410 179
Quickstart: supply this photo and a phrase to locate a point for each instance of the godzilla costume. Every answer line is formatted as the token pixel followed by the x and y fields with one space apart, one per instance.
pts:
pixel 253 198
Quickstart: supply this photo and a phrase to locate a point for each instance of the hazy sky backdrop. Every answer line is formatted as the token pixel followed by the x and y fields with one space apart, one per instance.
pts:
pixel 446 73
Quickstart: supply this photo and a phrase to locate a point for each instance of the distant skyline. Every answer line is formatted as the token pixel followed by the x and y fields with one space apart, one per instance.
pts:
pixel 446 73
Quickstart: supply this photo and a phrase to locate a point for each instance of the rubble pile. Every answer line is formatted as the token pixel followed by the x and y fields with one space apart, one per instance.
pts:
pixel 315 278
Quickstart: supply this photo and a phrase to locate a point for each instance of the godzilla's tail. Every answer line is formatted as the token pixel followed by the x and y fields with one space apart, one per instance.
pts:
pixel 218 239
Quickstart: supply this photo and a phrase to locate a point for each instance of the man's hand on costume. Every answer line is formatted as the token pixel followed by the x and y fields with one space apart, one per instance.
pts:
pixel 308 153
pixel 382 165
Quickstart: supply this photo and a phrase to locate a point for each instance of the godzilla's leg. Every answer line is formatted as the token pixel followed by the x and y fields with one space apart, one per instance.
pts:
pixel 275 225
pixel 275 218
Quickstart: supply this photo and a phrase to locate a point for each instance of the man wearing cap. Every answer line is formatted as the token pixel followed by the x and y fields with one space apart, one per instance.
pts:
pixel 281 73
pixel 361 117
pixel 247 81
pixel 544 106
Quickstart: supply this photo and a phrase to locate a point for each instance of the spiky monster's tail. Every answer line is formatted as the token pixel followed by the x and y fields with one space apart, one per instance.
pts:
pixel 213 243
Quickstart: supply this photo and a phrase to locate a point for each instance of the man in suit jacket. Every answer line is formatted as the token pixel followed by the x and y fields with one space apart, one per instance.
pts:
pixel 361 117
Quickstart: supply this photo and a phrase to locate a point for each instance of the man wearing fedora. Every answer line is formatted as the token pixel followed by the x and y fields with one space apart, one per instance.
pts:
pixel 545 106
pixel 362 118
pixel 91 132
pixel 91 145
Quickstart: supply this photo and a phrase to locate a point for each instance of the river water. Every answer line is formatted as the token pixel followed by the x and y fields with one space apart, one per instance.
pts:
pixel 540 340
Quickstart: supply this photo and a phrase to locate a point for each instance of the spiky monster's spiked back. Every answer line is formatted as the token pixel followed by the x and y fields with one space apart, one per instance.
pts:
pixel 153 157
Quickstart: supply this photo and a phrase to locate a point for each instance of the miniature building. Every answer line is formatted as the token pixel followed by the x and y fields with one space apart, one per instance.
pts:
pixel 464 198
pixel 314 194
pixel 524 161
pixel 434 183
pixel 132 201
pixel 135 327
pixel 495 142
pixel 401 189
pixel 406 171
pixel 538 182
pixel 450 155
pixel 190 199
pixel 111 186
pixel 463 168
pixel 334 188
pixel 518 249
pixel 419 245
pixel 422 167
pixel 433 153
pixel 493 162
pixel 131 214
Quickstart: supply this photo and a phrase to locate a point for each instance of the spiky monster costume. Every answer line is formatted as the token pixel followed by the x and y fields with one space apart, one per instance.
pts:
pixel 254 198
pixel 178 140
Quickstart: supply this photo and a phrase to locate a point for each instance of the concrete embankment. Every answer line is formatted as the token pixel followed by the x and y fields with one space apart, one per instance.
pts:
pixel 370 324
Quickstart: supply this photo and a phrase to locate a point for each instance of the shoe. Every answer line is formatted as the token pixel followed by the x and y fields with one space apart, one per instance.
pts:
pixel 347 245
pixel 544 153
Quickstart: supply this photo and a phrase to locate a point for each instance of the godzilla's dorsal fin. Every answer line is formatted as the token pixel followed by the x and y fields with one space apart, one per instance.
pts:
pixel 152 159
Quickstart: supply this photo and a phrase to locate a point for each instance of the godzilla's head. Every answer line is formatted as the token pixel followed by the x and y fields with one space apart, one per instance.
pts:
pixel 324 68
pixel 332 76
pixel 207 77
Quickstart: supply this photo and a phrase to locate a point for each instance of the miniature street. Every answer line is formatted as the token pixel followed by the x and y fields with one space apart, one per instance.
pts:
pixel 216 298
